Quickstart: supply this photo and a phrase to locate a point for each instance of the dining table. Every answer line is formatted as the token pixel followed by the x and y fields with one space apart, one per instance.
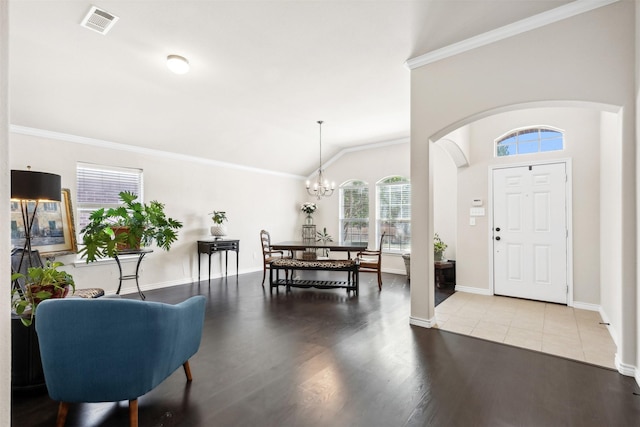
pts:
pixel 300 245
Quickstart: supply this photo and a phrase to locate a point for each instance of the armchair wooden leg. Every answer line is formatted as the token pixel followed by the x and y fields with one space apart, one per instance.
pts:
pixel 264 275
pixel 187 371
pixel 133 413
pixel 63 409
pixel 379 280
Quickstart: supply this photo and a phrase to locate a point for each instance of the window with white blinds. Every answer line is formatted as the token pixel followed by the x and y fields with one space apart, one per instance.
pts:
pixel 354 212
pixel 99 186
pixel 394 213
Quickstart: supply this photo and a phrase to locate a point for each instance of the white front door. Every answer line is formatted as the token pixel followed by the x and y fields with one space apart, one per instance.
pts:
pixel 530 232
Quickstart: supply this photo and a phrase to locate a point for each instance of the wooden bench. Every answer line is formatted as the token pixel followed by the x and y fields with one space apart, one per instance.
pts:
pixel 290 265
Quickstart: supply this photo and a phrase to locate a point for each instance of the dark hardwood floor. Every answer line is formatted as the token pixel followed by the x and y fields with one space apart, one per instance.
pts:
pixel 321 358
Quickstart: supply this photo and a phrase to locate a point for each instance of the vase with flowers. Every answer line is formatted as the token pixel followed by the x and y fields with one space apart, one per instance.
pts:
pixel 308 208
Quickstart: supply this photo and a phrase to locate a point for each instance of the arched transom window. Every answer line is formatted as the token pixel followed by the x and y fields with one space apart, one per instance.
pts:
pixel 530 140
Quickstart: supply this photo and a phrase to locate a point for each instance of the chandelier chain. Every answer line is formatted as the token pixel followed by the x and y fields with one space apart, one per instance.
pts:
pixel 321 187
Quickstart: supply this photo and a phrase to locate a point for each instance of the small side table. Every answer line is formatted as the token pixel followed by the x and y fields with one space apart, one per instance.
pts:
pixel 218 245
pixel 141 253
pixel 439 267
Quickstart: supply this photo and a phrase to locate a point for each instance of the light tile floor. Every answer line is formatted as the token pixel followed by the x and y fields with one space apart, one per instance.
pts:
pixel 549 328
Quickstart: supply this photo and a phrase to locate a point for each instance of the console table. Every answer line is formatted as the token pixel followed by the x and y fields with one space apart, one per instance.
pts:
pixel 141 253
pixel 440 267
pixel 218 245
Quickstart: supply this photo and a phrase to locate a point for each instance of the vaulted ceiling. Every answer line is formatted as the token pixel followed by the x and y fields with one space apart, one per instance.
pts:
pixel 262 72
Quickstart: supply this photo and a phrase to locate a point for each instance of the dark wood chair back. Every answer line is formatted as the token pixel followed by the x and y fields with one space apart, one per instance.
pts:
pixel 268 255
pixel 371 261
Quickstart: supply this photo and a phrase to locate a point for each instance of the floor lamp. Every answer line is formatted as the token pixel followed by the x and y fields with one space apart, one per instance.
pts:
pixel 32 187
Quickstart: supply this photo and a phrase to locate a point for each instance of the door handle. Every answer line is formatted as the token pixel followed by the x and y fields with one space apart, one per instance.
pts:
pixel 497 237
pixel 497 228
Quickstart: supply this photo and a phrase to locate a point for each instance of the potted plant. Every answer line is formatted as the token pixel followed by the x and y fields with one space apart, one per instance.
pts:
pixel 40 283
pixel 324 237
pixel 218 218
pixel 132 225
pixel 438 248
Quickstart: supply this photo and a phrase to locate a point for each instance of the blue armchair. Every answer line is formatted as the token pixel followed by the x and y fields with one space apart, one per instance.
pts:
pixel 107 350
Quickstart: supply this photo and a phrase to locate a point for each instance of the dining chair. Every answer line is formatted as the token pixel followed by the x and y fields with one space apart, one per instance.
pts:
pixel 371 261
pixel 268 254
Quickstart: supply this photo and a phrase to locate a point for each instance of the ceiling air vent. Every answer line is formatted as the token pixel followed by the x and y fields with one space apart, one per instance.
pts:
pixel 99 20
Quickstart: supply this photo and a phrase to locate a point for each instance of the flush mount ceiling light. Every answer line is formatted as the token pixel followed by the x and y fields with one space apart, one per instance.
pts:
pixel 178 64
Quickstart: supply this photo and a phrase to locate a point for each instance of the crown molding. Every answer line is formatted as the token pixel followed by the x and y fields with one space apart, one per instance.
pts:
pixel 540 20
pixel 59 136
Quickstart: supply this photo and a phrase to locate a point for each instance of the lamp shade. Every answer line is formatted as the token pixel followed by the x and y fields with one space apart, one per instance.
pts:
pixel 28 185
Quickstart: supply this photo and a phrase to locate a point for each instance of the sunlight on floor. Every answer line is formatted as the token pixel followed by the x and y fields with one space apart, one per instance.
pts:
pixel 550 328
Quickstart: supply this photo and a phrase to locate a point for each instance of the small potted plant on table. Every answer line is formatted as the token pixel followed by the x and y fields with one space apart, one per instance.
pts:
pixel 438 248
pixel 219 229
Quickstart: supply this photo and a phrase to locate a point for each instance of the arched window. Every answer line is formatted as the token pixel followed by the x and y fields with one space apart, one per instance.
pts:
pixel 529 140
pixel 354 212
pixel 394 213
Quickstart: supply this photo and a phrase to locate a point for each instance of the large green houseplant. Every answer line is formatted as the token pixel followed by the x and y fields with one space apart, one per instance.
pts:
pixel 40 283
pixel 132 225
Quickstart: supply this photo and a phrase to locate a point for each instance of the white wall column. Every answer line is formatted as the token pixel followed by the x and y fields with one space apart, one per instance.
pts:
pixel 5 241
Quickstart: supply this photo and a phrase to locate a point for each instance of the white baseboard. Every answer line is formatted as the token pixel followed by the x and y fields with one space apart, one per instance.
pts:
pixel 586 306
pixel 423 323
pixel 472 290
pixel 400 271
pixel 627 370
pixel 132 289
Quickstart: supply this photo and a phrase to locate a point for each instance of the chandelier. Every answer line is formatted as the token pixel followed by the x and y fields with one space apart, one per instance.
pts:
pixel 321 187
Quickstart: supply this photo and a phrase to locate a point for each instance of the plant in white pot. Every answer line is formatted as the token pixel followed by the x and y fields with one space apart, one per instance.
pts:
pixel 219 229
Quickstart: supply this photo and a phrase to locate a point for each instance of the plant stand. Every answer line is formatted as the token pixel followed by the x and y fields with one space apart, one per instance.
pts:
pixel 27 375
pixel 141 253
pixel 309 236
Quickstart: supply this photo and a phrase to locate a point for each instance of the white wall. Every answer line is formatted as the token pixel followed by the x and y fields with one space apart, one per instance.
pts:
pixel 190 189
pixel 610 225
pixel 5 195
pixel 445 175
pixel 369 165
pixel 582 146
pixel 637 155
pixel 587 58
